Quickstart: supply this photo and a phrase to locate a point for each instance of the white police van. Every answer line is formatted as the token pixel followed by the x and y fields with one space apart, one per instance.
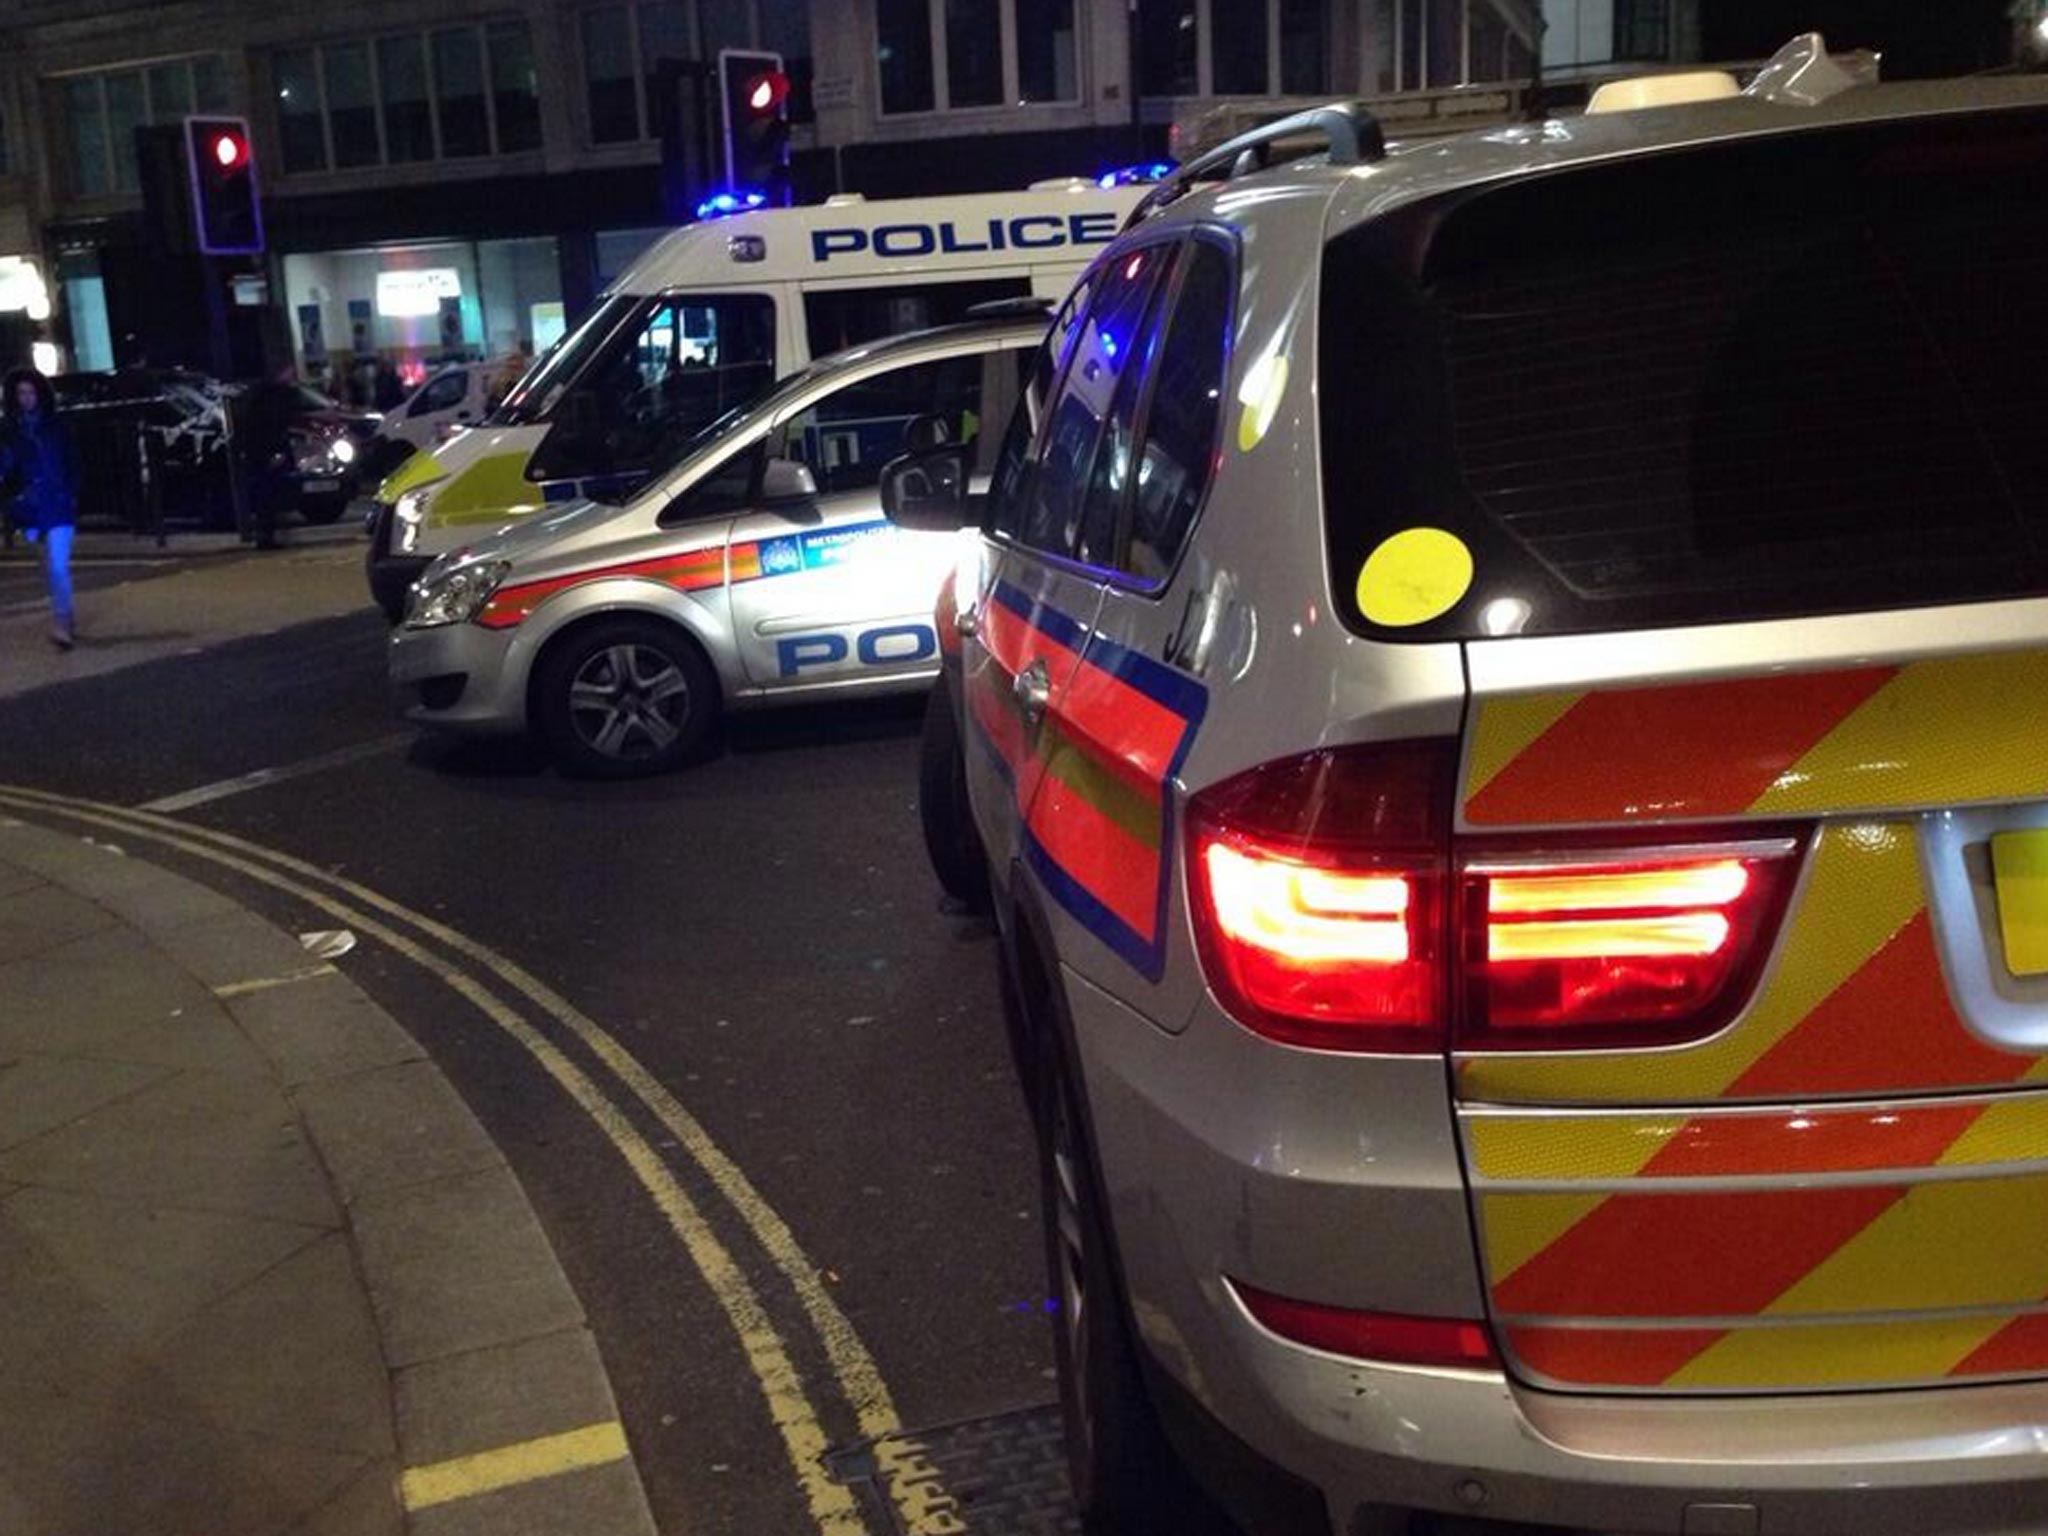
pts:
pixel 706 320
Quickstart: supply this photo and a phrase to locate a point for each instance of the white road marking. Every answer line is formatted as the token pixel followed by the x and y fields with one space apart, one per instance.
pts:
pixel 205 794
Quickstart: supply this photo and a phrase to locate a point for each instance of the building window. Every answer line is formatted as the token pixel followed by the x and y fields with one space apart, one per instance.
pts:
pixel 1642 29
pixel 456 93
pixel 625 45
pixel 102 112
pixel 1233 47
pixel 1441 44
pixel 965 54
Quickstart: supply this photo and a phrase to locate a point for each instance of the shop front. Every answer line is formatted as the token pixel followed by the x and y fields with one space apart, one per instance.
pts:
pixel 402 309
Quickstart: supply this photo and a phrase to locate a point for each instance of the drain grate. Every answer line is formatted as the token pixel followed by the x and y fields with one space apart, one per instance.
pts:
pixel 1000 1476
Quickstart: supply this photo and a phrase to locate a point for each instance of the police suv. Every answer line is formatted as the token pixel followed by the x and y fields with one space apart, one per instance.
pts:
pixel 705 321
pixel 755 568
pixel 1503 703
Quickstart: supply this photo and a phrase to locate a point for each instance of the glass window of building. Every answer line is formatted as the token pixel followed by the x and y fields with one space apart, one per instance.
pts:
pixel 515 86
pixel 351 104
pixel 126 111
pixel 1642 29
pixel 210 83
pixel 170 91
pixel 1048 51
pixel 1169 47
pixel 402 84
pixel 994 51
pixel 102 111
pixel 1237 50
pixel 664 34
pixel 300 121
pixel 1304 47
pixel 91 172
pixel 1440 44
pixel 459 93
pixel 974 53
pixel 725 24
pixel 608 75
pixel 904 48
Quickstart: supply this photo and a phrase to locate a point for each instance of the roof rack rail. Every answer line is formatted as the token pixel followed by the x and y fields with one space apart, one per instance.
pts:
pixel 1352 131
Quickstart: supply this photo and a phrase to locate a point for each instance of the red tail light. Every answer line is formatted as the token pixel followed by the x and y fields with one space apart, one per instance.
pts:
pixel 1394 1338
pixel 1321 893
pixel 1317 886
pixel 1622 948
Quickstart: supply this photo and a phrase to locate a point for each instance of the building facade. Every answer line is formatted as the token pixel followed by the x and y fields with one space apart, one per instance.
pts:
pixel 461 177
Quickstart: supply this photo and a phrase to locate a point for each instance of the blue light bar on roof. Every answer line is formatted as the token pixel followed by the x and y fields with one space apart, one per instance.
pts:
pixel 1134 175
pixel 740 200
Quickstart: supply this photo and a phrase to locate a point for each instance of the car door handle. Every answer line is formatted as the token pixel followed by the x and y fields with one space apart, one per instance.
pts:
pixel 966 623
pixel 1033 691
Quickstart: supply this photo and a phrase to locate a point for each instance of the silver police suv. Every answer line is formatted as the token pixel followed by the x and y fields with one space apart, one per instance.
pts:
pixel 1500 708
pixel 757 569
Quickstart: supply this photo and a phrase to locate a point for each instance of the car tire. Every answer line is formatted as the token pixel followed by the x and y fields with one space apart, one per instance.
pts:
pixel 323 510
pixel 1125 1477
pixel 625 698
pixel 951 842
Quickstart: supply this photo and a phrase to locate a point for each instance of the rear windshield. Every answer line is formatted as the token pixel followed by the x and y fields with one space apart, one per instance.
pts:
pixel 1781 377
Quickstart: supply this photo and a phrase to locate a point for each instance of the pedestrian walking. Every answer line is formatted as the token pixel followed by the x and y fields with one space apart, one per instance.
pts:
pixel 39 481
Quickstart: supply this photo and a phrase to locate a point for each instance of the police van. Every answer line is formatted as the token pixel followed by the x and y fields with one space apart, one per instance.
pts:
pixel 705 321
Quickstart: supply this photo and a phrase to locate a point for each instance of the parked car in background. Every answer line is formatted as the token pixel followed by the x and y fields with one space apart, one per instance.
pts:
pixel 330 443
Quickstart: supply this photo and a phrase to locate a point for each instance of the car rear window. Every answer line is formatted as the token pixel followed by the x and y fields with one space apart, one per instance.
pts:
pixel 1761 378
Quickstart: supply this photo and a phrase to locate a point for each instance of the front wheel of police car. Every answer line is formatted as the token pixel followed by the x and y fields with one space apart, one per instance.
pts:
pixel 624 698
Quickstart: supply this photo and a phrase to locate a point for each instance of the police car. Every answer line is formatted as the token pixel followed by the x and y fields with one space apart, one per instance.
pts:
pixel 755 569
pixel 1503 700
pixel 708 319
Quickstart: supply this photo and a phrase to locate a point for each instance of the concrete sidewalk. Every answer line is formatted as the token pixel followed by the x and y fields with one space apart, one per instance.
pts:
pixel 260 1268
pixel 181 608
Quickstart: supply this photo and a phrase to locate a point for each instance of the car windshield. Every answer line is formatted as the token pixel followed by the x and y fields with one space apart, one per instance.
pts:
pixel 542 384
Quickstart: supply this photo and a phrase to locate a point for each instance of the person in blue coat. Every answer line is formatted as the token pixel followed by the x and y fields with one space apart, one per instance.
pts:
pixel 39 482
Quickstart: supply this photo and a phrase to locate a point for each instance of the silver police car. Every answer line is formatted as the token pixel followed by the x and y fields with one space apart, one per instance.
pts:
pixel 757 569
pixel 1502 697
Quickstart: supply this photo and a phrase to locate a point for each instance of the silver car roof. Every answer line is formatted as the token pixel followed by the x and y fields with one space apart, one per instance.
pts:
pixel 1424 168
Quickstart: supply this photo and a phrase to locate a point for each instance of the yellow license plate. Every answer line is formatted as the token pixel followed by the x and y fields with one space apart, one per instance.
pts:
pixel 2019 865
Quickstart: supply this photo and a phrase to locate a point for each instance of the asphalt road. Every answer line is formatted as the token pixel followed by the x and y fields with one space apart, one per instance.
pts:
pixel 760 932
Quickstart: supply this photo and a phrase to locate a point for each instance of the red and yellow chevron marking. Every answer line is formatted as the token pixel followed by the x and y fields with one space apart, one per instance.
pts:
pixel 1948 731
pixel 690 572
pixel 1728 1251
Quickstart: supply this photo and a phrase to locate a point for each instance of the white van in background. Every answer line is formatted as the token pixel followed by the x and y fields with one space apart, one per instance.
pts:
pixel 708 318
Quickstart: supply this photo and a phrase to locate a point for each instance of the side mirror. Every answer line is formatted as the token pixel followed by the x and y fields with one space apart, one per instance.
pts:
pixel 927 432
pixel 927 491
pixel 786 480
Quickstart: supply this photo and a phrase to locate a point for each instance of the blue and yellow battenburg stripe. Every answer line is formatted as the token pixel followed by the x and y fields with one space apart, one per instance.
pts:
pixel 1092 780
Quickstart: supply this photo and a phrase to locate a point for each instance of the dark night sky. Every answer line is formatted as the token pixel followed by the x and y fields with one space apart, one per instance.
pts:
pixel 1917 37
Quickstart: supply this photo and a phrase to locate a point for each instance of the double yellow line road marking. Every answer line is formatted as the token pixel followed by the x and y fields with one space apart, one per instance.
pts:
pixel 923 1508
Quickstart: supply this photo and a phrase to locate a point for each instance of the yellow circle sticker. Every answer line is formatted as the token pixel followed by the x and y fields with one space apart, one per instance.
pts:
pixel 1416 575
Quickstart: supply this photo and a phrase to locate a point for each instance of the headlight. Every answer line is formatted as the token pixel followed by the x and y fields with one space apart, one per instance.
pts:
pixel 454 596
pixel 344 451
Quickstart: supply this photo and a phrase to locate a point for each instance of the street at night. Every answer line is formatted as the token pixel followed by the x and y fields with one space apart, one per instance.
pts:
pixel 1024 768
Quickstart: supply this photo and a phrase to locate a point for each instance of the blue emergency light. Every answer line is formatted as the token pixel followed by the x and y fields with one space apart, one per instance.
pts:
pixel 720 204
pixel 1134 175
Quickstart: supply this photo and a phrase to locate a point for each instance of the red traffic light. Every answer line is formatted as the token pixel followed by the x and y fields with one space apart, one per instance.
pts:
pixel 230 151
pixel 767 91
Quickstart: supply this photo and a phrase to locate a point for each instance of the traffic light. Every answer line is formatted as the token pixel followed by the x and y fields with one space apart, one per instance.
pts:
pixel 225 212
pixel 754 99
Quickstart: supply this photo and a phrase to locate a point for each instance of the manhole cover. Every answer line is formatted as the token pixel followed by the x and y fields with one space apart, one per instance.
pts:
pixel 1000 1476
